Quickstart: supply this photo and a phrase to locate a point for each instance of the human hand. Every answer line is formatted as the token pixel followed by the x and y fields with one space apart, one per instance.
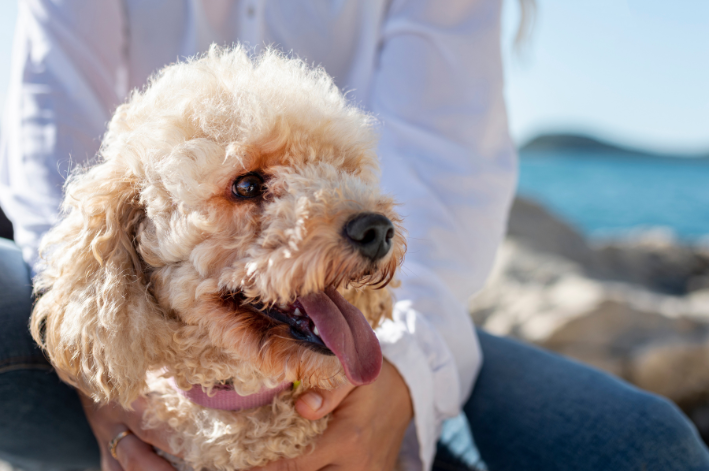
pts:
pixel 135 451
pixel 366 429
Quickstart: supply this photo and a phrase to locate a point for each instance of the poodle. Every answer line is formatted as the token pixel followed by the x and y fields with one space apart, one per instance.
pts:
pixel 229 250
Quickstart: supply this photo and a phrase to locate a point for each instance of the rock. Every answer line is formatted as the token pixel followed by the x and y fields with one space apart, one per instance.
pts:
pixel 637 307
pixel 543 232
pixel 662 265
pixel 651 258
pixel 675 369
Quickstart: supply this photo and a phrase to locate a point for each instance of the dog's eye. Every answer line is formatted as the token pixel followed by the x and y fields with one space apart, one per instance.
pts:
pixel 248 186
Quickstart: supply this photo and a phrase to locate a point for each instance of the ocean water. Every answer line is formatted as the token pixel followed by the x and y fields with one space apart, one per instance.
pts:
pixel 610 195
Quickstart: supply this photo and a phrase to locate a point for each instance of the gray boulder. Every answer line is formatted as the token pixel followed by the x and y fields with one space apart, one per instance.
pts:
pixel 636 307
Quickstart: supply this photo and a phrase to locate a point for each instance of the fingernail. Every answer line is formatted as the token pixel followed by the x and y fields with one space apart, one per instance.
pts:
pixel 313 400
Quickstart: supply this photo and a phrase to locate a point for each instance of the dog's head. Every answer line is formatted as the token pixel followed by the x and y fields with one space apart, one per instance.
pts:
pixel 233 230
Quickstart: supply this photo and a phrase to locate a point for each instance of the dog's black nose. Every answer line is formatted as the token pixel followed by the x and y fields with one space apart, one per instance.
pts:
pixel 371 233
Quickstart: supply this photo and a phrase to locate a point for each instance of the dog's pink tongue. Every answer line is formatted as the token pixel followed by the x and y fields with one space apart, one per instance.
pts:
pixel 347 333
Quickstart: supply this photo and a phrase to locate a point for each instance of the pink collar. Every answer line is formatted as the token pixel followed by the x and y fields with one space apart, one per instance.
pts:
pixel 225 398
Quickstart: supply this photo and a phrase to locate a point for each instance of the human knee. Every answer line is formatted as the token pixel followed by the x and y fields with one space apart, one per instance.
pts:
pixel 658 432
pixel 663 418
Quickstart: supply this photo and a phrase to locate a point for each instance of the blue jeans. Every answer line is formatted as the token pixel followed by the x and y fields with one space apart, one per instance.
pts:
pixel 534 410
pixel 530 410
pixel 42 423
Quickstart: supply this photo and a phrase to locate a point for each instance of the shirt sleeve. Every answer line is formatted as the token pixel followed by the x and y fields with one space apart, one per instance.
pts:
pixel 67 75
pixel 448 160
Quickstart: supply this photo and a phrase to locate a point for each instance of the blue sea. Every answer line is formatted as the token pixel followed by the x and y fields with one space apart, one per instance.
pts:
pixel 608 195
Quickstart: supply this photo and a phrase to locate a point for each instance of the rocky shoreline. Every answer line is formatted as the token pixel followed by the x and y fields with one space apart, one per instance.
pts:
pixel 636 307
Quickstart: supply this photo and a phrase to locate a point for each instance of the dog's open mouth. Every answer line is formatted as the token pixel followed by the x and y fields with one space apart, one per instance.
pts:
pixel 301 325
pixel 330 325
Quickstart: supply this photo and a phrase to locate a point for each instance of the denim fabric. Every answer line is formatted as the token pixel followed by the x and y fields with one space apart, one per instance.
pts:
pixel 533 410
pixel 530 410
pixel 42 424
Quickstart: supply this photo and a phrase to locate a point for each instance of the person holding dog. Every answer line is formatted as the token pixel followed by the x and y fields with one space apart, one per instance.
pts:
pixel 433 77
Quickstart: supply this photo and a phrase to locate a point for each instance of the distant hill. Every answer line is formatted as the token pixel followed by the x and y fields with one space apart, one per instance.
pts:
pixel 581 143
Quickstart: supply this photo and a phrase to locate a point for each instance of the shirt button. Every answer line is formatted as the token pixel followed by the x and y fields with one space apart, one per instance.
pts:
pixel 250 11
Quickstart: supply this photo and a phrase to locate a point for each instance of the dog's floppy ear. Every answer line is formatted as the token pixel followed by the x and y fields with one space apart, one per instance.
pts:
pixel 95 317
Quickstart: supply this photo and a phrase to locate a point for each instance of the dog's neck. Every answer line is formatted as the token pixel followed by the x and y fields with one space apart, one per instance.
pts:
pixel 224 397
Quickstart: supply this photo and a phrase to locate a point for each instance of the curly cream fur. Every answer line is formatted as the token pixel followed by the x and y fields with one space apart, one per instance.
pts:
pixel 225 440
pixel 152 244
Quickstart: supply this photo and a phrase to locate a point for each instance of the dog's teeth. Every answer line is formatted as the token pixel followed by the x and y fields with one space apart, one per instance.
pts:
pixel 316 331
pixel 297 312
pixel 283 306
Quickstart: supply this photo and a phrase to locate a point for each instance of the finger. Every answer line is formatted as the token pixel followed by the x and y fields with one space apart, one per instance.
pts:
pixel 158 437
pixel 317 403
pixel 108 463
pixel 136 455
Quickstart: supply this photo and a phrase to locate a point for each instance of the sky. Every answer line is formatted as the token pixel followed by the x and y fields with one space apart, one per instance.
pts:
pixel 635 72
pixel 632 71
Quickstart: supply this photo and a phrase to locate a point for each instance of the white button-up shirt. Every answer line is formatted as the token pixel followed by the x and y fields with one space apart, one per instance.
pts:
pixel 429 70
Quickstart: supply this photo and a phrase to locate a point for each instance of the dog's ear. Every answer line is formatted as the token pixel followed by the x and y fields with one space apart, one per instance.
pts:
pixel 94 316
